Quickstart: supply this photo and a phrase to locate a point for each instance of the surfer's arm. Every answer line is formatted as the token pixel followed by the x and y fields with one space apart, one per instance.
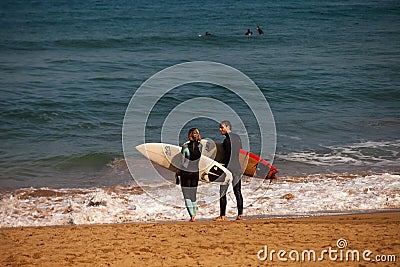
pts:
pixel 185 150
pixel 227 149
pixel 185 156
pixel 186 153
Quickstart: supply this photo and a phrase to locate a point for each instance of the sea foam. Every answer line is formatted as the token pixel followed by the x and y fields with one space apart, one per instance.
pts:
pixel 288 196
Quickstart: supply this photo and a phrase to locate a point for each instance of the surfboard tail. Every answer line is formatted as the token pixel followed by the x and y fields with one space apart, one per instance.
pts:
pixel 265 170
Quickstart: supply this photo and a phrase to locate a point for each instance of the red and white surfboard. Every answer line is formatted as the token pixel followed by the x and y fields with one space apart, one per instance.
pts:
pixel 252 165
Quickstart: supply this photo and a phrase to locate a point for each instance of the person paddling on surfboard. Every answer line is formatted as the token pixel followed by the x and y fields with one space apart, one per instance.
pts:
pixel 189 173
pixel 260 31
pixel 232 145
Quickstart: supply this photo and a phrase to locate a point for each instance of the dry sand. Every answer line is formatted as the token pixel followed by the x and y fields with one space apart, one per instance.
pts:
pixel 232 243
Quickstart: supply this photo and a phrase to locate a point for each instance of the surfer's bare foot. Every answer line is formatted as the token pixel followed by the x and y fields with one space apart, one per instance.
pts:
pixel 239 217
pixel 192 219
pixel 220 219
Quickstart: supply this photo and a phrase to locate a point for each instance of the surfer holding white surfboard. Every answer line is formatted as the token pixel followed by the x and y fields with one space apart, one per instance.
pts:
pixel 189 173
pixel 232 145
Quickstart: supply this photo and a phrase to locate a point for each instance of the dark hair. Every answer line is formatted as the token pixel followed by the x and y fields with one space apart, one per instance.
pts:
pixel 227 124
pixel 194 134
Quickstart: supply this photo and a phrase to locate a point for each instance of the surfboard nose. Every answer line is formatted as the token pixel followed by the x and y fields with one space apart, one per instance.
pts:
pixel 142 149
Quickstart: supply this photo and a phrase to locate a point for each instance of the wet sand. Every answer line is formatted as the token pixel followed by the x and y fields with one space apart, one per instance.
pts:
pixel 233 243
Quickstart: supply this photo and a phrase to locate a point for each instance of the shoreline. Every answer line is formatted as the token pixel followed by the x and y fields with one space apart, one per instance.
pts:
pixel 204 243
pixel 229 218
pixel 312 196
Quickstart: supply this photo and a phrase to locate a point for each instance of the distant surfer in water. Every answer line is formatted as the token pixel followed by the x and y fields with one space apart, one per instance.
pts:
pixel 260 31
pixel 249 32
pixel 189 175
pixel 206 34
pixel 232 145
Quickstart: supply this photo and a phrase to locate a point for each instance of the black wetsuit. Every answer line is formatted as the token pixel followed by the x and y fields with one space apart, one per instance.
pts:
pixel 190 176
pixel 232 145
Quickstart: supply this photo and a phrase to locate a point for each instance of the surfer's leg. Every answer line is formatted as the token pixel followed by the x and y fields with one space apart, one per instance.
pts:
pixel 223 189
pixel 189 207
pixel 189 193
pixel 222 201
pixel 194 206
pixel 192 198
pixel 185 185
pixel 188 201
pixel 237 189
pixel 186 191
pixel 195 183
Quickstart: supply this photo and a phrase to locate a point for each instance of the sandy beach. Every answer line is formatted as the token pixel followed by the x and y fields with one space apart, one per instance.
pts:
pixel 345 240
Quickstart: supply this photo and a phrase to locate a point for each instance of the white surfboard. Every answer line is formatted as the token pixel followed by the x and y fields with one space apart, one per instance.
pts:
pixel 170 157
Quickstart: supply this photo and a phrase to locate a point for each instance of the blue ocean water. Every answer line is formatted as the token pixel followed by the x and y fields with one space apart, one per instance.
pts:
pixel 329 70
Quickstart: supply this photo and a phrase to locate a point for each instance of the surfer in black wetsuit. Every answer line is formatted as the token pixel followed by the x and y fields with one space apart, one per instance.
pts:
pixel 232 145
pixel 249 32
pixel 189 174
pixel 260 31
